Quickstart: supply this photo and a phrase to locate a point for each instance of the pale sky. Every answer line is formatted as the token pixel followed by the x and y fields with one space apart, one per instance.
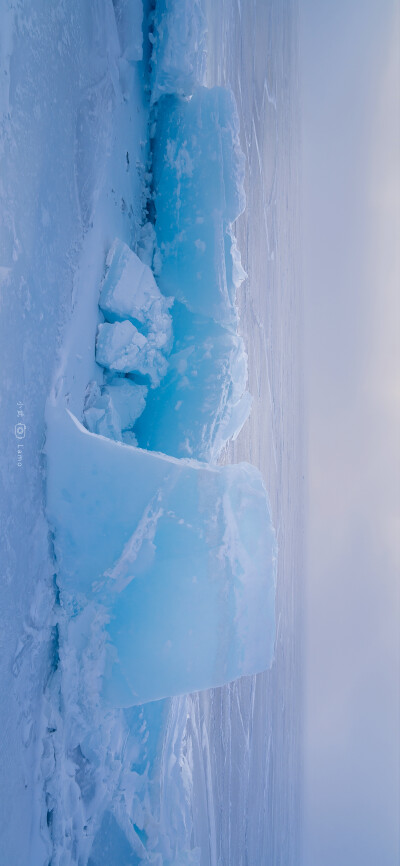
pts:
pixel 351 233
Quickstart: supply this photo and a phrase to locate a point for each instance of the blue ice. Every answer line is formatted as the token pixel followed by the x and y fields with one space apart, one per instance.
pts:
pixel 173 556
pixel 202 401
pixel 198 170
pixel 183 341
pixel 177 557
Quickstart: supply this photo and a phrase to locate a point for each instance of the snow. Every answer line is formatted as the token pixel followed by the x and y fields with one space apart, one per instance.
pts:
pixel 100 416
pixel 58 65
pixel 160 547
pixel 62 191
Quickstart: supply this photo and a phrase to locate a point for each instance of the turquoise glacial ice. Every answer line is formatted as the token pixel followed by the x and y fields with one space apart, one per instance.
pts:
pixel 183 340
pixel 177 558
pixel 202 401
pixel 166 564
pixel 198 171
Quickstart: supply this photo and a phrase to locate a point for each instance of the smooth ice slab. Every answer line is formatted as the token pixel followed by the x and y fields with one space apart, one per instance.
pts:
pixel 198 172
pixel 202 401
pixel 178 58
pixel 178 556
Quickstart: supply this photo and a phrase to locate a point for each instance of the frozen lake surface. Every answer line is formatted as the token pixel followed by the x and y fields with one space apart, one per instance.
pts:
pixel 222 777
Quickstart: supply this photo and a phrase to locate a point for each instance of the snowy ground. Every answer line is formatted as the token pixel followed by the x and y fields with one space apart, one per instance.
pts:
pixel 72 166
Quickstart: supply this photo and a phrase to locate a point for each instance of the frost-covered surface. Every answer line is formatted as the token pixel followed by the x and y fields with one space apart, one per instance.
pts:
pixel 178 559
pixel 106 774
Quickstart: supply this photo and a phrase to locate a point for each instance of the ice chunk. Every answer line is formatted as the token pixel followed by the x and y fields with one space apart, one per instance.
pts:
pixel 128 398
pixel 113 410
pixel 202 401
pixel 100 415
pixel 178 58
pixel 130 291
pixel 180 557
pixel 121 347
pixel 102 418
pixel 146 242
pixel 198 170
